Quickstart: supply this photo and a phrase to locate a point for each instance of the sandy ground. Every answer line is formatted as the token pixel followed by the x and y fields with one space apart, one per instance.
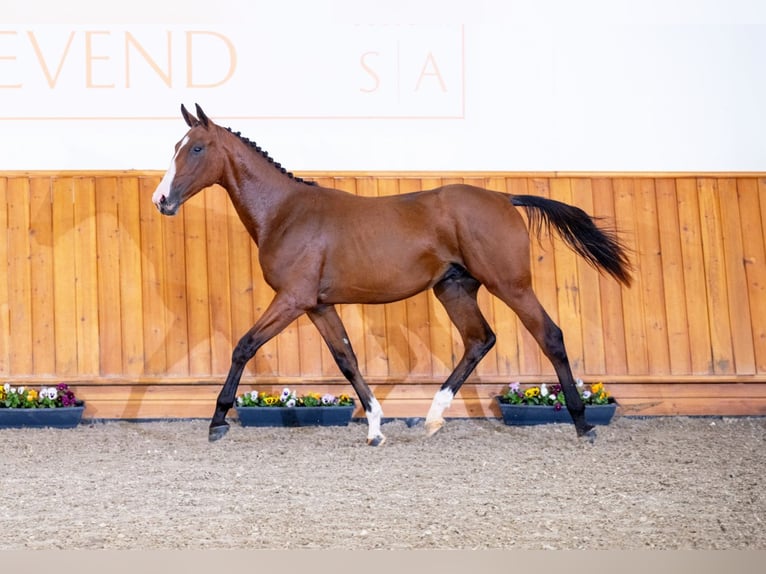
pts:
pixel 662 483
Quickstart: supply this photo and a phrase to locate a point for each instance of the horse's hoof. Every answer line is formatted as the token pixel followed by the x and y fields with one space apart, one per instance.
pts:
pixel 217 433
pixel 589 435
pixel 432 427
pixel 376 441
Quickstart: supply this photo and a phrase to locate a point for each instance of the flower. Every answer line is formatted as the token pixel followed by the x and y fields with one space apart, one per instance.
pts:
pixel 553 395
pixel 46 398
pixel 289 398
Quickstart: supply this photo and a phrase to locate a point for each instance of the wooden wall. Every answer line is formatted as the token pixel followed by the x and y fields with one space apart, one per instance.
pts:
pixel 140 312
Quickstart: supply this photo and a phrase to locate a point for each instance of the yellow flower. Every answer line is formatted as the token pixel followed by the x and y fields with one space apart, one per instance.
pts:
pixel 316 396
pixel 597 388
pixel 532 392
pixel 344 398
pixel 270 400
pixel 31 395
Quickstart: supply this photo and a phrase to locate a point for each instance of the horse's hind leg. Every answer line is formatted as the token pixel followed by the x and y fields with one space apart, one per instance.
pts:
pixel 331 328
pixel 548 335
pixel 458 296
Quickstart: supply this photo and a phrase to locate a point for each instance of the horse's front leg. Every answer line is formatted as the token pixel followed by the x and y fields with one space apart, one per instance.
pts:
pixel 329 325
pixel 280 313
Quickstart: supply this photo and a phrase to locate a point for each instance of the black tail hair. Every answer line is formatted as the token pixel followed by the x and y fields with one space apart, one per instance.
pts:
pixel 599 246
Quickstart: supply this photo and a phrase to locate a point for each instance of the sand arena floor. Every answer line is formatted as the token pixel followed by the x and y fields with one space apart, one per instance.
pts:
pixel 661 483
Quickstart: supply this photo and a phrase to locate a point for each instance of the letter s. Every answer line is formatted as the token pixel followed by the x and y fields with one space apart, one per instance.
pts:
pixel 370 71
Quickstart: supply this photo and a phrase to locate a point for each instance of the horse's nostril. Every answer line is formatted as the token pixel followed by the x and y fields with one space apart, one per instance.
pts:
pixel 163 200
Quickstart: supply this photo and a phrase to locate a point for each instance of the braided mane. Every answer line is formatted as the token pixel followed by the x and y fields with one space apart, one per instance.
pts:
pixel 266 156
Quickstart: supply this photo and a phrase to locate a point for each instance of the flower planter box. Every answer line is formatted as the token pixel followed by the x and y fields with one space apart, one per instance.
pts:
pixel 60 418
pixel 294 416
pixel 539 415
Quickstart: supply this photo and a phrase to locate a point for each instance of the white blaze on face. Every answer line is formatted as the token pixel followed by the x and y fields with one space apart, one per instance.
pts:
pixel 163 189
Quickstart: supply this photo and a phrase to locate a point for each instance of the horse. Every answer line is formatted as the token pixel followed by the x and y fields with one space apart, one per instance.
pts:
pixel 320 247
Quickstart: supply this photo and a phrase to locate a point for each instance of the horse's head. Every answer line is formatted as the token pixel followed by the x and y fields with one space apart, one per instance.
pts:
pixel 197 164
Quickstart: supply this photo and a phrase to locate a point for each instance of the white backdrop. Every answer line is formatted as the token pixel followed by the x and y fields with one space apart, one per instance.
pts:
pixel 590 85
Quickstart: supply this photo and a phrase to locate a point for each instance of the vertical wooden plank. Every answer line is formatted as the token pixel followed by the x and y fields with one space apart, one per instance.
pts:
pixel 715 274
pixel 374 316
pixel 155 325
pixel 131 296
pixel 64 273
pixel 289 351
pixel 615 347
pixel 197 290
pixel 108 251
pixel 588 289
pixel 41 267
pixel 397 334
pixel 241 273
pixel 219 280
pixel 653 305
pixel 351 315
pixel 418 320
pixel 528 351
pixel 754 258
pixel 673 277
pixel 86 278
pixel 626 213
pixel 695 285
pixel 172 277
pixel 5 326
pixel 736 279
pixel 567 288
pixel 19 277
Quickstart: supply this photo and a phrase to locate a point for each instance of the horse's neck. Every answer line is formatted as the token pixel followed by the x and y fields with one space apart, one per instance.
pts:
pixel 259 197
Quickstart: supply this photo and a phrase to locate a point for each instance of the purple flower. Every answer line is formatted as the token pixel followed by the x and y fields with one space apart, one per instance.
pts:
pixel 68 399
pixel 557 407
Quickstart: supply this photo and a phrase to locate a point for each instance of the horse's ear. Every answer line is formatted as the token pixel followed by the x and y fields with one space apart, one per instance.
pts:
pixel 190 120
pixel 203 119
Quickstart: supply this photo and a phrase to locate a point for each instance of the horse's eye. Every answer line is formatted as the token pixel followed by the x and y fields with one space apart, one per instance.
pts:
pixel 197 149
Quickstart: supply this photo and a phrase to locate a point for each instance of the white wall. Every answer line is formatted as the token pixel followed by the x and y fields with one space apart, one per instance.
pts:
pixel 609 85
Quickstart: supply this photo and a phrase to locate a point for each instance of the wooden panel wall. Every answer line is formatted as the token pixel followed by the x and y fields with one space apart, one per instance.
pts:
pixel 141 312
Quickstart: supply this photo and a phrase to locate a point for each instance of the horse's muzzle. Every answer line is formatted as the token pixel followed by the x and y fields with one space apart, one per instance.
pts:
pixel 164 207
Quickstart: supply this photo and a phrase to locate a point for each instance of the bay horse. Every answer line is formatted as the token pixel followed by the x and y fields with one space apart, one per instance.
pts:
pixel 320 247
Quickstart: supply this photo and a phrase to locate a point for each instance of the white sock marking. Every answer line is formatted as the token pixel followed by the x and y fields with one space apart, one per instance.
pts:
pixel 374 415
pixel 442 401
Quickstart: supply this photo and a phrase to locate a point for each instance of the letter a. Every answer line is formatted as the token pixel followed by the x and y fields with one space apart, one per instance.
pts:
pixel 430 69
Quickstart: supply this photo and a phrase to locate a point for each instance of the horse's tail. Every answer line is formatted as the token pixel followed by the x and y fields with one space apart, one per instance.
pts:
pixel 600 247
